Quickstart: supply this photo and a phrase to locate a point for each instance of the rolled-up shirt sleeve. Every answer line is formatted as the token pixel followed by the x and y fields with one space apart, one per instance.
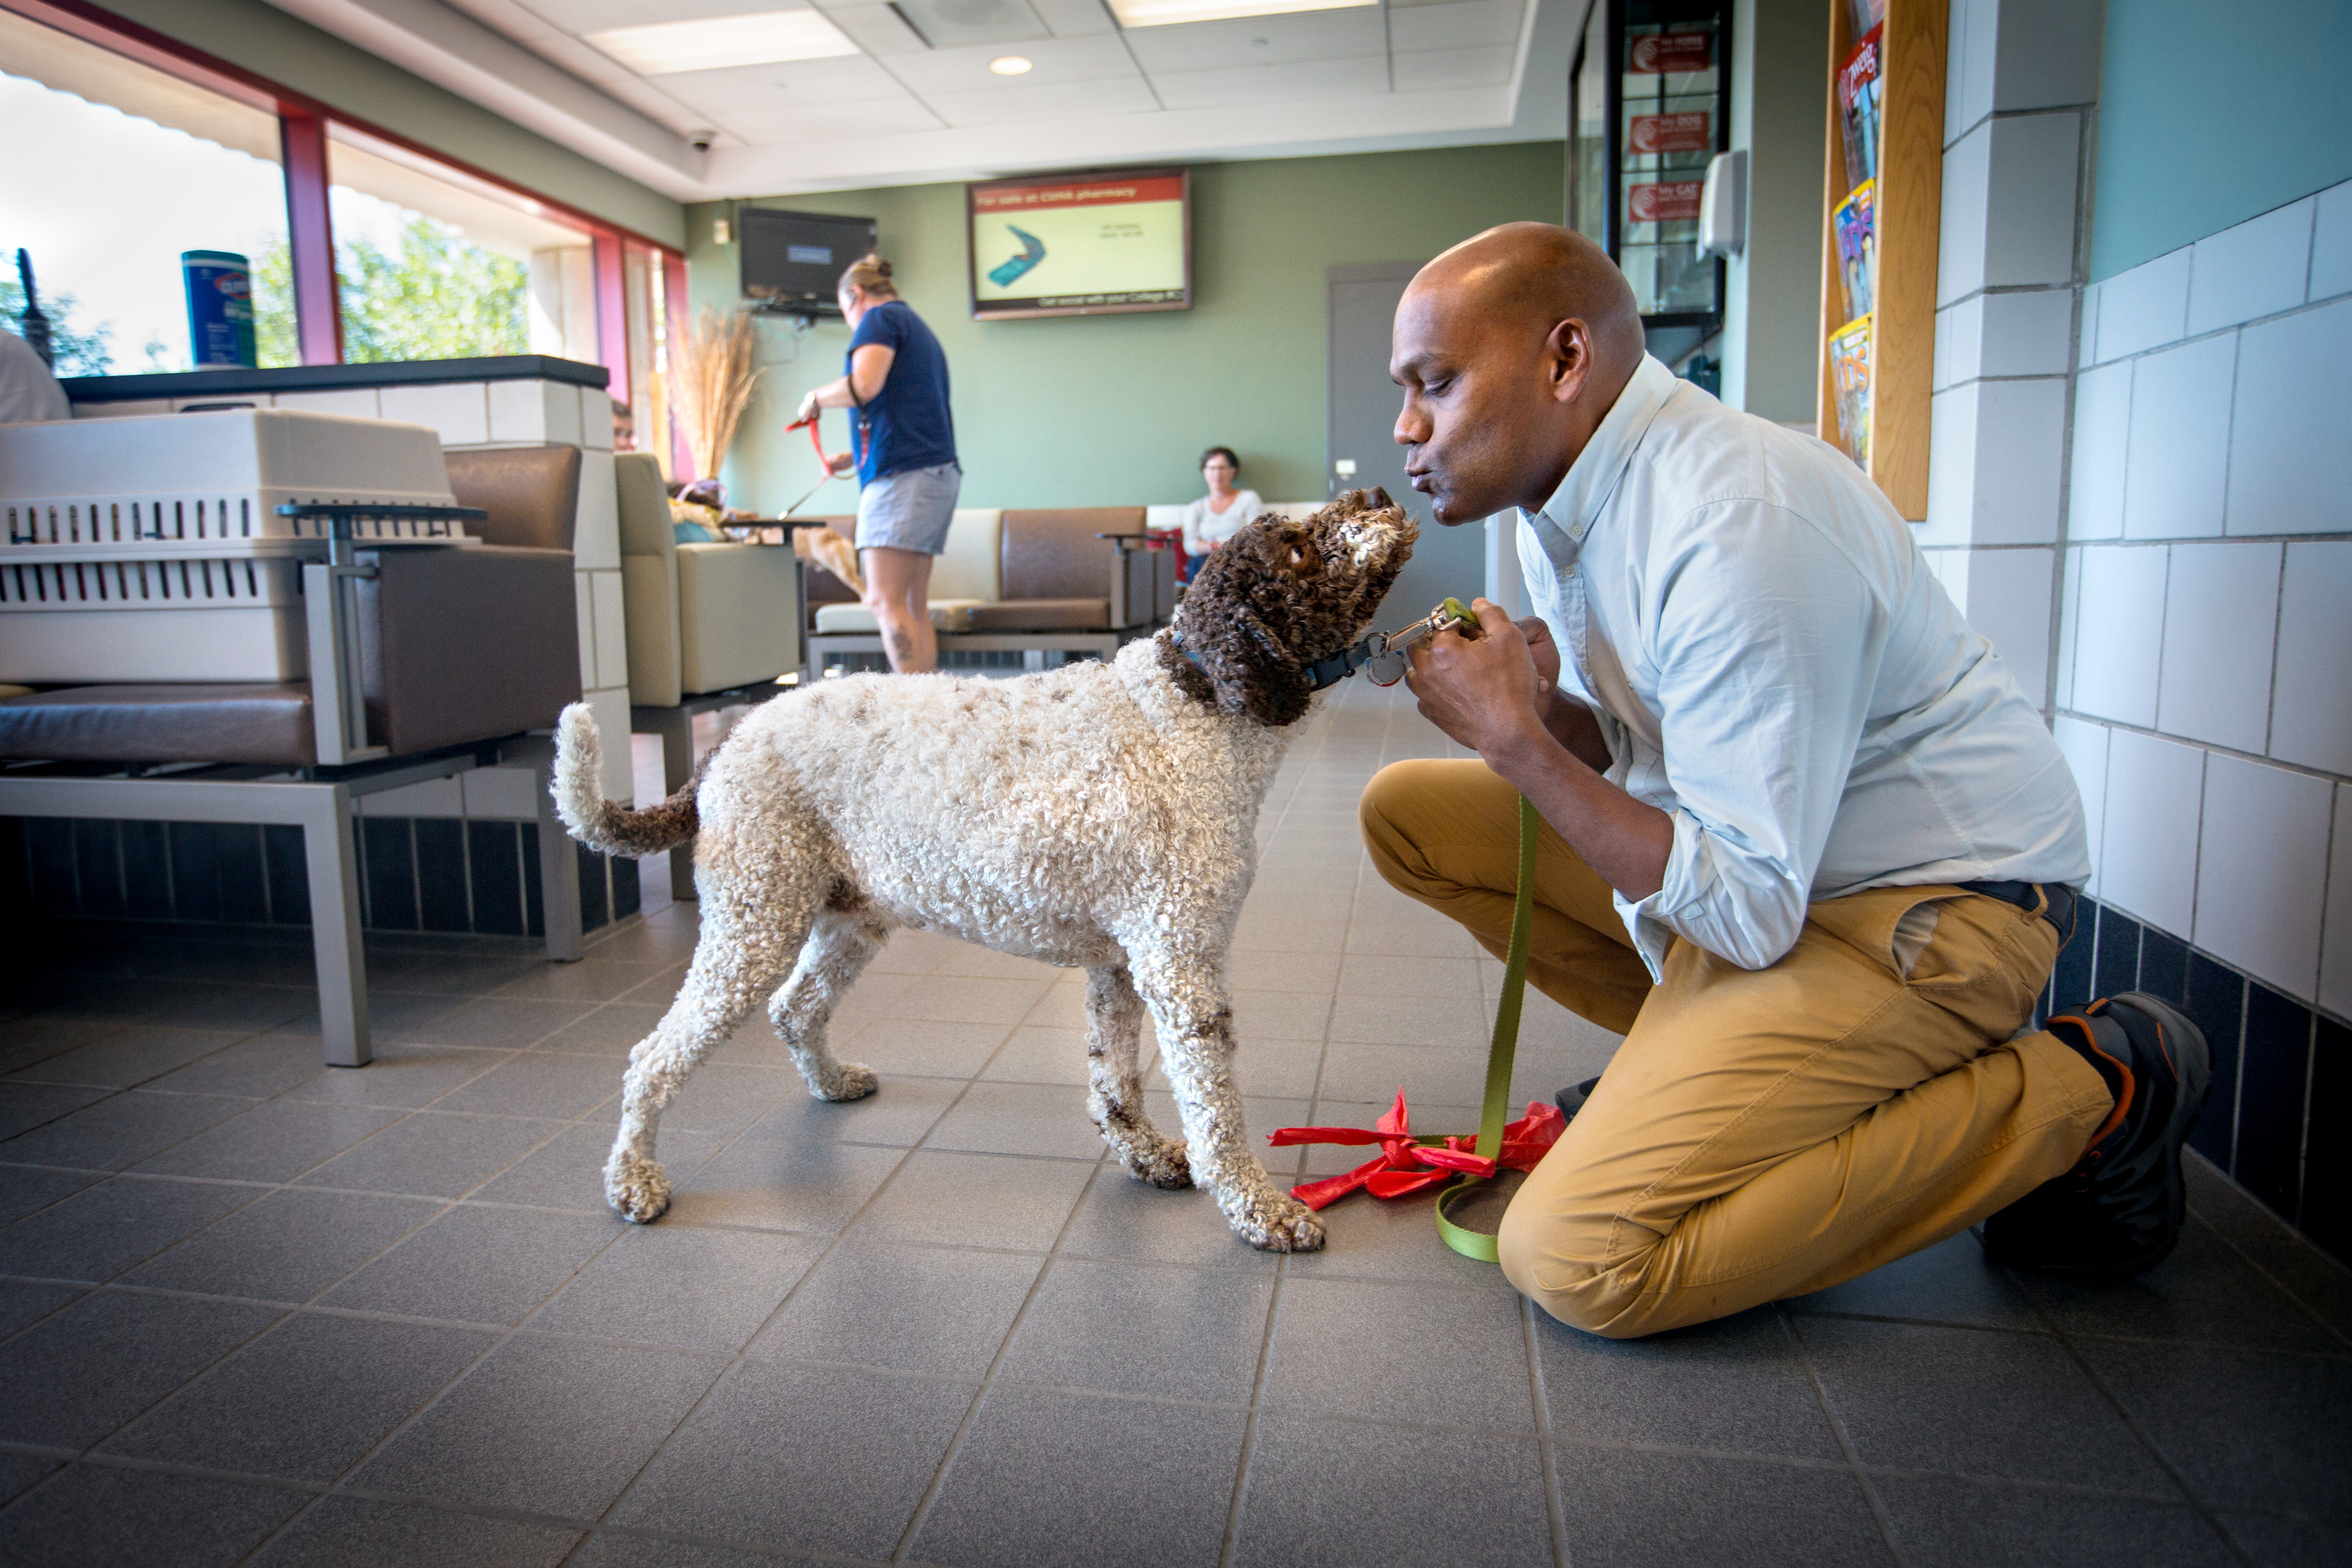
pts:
pixel 1768 640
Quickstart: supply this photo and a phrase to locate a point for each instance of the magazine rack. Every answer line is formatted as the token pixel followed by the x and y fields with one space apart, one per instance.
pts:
pixel 1908 197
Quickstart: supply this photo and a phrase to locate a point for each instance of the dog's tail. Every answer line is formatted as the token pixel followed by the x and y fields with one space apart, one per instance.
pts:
pixel 600 824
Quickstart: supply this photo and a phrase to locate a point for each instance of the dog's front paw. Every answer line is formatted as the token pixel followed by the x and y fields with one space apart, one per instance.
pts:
pixel 1164 1164
pixel 1279 1224
pixel 847 1080
pixel 636 1188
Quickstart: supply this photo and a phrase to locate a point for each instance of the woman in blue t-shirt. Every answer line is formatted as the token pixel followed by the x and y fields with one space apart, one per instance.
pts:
pixel 896 376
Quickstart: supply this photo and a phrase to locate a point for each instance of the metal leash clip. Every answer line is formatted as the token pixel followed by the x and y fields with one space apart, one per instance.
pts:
pixel 1387 667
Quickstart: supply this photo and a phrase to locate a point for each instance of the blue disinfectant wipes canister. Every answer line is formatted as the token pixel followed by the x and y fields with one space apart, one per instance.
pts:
pixel 220 309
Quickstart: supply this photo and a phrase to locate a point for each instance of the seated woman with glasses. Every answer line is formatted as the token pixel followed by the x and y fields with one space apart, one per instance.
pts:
pixel 1215 517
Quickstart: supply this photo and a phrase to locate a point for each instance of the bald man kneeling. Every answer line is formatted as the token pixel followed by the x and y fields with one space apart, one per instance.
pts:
pixel 1805 842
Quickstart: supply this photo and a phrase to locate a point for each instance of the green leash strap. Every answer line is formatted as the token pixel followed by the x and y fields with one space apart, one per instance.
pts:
pixel 1497 1107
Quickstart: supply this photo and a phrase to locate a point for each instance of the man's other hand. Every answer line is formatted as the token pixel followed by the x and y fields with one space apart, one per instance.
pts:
pixel 1487 692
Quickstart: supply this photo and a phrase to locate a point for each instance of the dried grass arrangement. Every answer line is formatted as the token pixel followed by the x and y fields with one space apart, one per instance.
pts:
pixel 712 380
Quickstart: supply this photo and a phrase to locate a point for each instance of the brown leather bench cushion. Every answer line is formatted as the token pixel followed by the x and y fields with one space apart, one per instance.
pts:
pixel 163 724
pixel 1053 555
pixel 1043 616
pixel 466 645
pixel 532 493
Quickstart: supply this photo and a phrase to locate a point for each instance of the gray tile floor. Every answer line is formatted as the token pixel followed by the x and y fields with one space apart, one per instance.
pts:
pixel 253 1309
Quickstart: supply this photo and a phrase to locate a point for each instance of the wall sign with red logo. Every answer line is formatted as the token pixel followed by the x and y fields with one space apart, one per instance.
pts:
pixel 1669 201
pixel 1689 133
pixel 1656 54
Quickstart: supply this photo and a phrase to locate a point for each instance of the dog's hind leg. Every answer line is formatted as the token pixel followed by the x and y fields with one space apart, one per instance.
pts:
pixel 840 942
pixel 754 920
pixel 1115 1085
pixel 1188 1001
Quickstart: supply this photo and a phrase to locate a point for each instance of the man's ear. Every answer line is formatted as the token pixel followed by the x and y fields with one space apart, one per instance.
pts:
pixel 1568 349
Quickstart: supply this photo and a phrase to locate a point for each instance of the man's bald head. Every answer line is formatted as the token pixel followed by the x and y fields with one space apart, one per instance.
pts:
pixel 1535 275
pixel 1511 348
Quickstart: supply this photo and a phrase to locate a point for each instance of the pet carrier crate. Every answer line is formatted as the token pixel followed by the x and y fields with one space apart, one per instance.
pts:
pixel 170 547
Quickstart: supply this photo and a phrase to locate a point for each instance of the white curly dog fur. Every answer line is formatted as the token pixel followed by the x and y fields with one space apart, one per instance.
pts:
pixel 1101 815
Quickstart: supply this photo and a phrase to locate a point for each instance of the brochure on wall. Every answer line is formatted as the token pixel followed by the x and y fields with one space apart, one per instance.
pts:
pixel 1857 247
pixel 1857 96
pixel 1866 15
pixel 1850 374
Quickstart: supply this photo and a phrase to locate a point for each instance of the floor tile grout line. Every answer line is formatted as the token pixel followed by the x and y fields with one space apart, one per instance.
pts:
pixel 923 1505
pixel 2327 1325
pixel 1237 1504
pixel 2146 1441
pixel 728 1372
pixel 1846 1446
pixel 1547 1451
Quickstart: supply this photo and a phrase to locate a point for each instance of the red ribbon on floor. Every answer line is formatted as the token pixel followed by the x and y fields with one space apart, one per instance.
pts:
pixel 1407 1166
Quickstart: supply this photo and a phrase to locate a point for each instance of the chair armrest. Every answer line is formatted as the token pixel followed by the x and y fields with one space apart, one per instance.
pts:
pixel 738 618
pixel 466 645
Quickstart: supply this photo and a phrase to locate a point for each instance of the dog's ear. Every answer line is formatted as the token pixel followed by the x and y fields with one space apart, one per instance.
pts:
pixel 1240 619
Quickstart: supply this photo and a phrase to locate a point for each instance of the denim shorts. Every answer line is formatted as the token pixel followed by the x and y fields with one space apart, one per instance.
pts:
pixel 910 510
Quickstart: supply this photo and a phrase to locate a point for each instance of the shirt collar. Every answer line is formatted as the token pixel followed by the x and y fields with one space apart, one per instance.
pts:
pixel 1563 521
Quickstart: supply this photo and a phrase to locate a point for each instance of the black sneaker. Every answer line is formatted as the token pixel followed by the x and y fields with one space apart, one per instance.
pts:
pixel 2119 1210
pixel 1572 1100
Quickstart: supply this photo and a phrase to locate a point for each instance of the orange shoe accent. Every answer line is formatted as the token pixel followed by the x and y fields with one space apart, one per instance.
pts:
pixel 2124 1096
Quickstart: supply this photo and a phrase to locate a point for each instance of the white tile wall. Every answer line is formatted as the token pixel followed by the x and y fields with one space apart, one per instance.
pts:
pixel 584 608
pixel 1951 466
pixel 2120 635
pixel 2290 455
pixel 2085 746
pixel 539 412
pixel 2331 243
pixel 1996 463
pixel 1959 342
pixel 2252 269
pixel 2095 506
pixel 2261 881
pixel 505 794
pixel 359 401
pixel 2008 600
pixel 612 631
pixel 612 710
pixel 2145 308
pixel 2220 618
pixel 2029 219
pixel 2335 951
pixel 2070 617
pixel 1971 58
pixel 459 410
pixel 596 532
pixel 1960 241
pixel 2028 334
pixel 2311 702
pixel 2148 859
pixel 596 418
pixel 2176 469
pixel 2049 53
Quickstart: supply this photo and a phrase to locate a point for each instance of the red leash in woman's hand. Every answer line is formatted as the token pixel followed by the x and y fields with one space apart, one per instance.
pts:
pixel 823 462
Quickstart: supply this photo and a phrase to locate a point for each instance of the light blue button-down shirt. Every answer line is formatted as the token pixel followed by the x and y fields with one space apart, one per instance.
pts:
pixel 1772 663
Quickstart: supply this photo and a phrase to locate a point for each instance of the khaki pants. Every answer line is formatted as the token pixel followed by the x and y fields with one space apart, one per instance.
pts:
pixel 1761 1134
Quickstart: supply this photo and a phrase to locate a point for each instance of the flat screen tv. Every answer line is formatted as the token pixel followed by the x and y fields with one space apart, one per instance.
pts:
pixel 793 261
pixel 1081 244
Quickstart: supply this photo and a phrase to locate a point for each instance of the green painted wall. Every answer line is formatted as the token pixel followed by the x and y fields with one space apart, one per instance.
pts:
pixel 296 55
pixel 2210 115
pixel 1114 410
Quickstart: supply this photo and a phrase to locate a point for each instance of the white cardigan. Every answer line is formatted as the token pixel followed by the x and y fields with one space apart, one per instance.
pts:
pixel 1204 530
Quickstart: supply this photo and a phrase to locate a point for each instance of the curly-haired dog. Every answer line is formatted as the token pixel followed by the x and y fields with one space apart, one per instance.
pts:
pixel 1100 816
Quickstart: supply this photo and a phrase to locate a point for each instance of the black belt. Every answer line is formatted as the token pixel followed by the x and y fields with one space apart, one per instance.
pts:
pixel 2058 909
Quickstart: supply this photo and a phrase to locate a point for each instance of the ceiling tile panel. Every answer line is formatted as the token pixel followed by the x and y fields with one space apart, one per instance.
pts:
pixel 1435 70
pixel 1074 18
pixel 958 24
pixel 1263 84
pixel 596 15
pixel 876 30
pixel 1462 25
pixel 1071 101
pixel 1259 41
pixel 829 121
pixel 1052 61
pixel 848 79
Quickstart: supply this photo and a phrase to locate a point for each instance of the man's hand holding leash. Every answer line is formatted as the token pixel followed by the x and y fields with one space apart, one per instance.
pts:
pixel 1498 694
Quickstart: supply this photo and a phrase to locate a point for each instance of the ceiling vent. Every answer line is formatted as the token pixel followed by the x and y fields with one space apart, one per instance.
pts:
pixel 951 23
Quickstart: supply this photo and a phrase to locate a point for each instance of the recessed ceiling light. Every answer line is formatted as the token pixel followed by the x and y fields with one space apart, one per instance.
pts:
pixel 1010 65
pixel 659 49
pixel 1166 12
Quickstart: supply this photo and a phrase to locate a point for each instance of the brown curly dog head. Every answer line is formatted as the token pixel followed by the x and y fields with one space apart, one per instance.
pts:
pixel 1279 595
